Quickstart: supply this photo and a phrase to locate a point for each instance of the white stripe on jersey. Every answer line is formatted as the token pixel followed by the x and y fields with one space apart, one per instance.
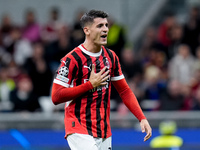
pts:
pixel 117 78
pixel 60 83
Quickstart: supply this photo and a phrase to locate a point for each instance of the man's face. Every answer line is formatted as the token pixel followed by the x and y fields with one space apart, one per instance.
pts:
pixel 97 31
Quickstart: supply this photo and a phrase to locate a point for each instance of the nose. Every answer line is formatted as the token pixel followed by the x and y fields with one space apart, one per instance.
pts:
pixel 105 29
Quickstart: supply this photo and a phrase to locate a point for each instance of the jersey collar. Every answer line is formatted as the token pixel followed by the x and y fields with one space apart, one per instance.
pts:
pixel 90 53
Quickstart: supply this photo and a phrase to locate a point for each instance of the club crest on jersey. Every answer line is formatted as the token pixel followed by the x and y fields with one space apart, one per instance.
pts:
pixel 107 63
pixel 63 71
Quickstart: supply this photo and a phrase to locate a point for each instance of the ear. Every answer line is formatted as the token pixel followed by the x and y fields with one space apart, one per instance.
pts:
pixel 86 30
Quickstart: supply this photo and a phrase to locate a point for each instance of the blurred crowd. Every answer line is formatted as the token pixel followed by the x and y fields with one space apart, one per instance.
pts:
pixel 29 57
pixel 164 72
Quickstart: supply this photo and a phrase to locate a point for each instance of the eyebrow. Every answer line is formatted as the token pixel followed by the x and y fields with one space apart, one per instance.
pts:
pixel 101 24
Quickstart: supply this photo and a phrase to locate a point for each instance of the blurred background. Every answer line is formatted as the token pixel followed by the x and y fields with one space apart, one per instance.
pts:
pixel 158 44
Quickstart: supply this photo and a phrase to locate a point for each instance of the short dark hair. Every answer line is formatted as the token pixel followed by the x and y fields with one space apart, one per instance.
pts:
pixel 91 15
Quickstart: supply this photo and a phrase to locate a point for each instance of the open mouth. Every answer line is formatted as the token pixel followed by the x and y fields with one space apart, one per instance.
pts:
pixel 104 36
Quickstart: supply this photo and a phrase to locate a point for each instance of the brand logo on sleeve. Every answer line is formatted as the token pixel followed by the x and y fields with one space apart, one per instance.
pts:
pixel 64 62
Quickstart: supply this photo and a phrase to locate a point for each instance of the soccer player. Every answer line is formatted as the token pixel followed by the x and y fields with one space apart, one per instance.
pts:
pixel 84 80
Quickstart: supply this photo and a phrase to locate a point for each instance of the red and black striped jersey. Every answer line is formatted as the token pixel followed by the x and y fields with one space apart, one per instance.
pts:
pixel 89 113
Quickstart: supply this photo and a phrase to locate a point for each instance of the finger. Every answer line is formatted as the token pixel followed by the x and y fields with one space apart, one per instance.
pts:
pixel 103 83
pixel 105 79
pixel 103 70
pixel 142 128
pixel 105 74
pixel 147 136
pixel 93 67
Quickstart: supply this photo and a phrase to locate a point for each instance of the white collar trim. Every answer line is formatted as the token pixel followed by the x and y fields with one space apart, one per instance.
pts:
pixel 90 53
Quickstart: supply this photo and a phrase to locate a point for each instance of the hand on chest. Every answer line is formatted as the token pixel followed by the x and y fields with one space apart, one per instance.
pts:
pixel 99 62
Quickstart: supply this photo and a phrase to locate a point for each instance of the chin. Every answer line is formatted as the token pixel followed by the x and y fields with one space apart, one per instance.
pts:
pixel 103 43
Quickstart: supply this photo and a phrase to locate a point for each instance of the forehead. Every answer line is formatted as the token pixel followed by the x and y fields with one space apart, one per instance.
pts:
pixel 100 21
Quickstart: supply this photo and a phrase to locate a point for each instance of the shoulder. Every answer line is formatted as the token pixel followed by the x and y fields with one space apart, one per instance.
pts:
pixel 72 54
pixel 72 57
pixel 109 51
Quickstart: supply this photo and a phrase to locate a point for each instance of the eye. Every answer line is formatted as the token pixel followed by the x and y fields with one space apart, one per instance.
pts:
pixel 99 25
pixel 106 25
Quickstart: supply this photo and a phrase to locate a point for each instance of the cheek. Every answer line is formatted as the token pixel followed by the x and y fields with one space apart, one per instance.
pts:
pixel 95 36
pixel 95 33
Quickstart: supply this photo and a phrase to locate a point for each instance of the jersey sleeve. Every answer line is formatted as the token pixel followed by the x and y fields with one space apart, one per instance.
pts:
pixel 116 73
pixel 129 99
pixel 66 72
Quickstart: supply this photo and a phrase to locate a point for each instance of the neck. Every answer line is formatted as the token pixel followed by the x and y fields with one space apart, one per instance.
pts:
pixel 92 47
